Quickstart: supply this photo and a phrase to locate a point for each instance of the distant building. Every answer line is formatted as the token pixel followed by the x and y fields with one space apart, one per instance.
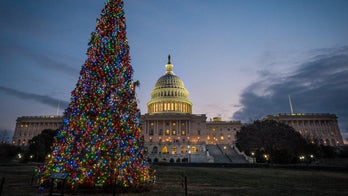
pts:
pixel 321 129
pixel 28 127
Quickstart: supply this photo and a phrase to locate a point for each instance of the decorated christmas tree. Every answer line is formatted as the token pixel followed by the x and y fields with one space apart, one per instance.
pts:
pixel 100 142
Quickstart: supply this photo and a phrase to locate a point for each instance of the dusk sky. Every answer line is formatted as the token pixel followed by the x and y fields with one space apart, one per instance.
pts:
pixel 238 59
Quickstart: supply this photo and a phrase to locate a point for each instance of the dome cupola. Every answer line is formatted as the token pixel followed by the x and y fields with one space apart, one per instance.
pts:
pixel 169 94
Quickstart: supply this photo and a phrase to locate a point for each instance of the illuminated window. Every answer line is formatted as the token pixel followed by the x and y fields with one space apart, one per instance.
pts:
pixel 167 132
pixel 173 132
pixel 183 149
pixel 151 124
pixel 222 137
pixel 183 132
pixel 164 150
pixel 174 123
pixel 194 149
pixel 173 150
pixel 208 137
pixel 229 136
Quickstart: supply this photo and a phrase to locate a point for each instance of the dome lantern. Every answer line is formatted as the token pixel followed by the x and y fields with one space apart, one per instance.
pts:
pixel 169 67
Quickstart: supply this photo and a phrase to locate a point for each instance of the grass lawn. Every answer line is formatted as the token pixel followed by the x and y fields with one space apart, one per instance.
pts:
pixel 210 181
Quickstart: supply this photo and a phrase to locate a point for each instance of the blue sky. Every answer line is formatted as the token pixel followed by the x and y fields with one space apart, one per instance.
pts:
pixel 238 59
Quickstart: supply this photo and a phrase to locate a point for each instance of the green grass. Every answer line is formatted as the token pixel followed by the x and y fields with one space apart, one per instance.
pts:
pixel 256 181
pixel 211 181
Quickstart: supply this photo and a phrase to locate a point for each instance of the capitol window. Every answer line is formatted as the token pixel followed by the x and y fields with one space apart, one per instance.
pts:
pixel 164 150
pixel 174 132
pixel 194 149
pixel 183 132
pixel 173 150
pixel 183 149
pixel 167 132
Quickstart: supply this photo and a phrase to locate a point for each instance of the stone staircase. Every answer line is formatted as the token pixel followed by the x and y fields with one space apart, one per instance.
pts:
pixel 232 154
pixel 225 154
pixel 215 152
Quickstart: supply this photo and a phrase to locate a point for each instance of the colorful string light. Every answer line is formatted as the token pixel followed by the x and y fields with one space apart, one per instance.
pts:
pixel 101 138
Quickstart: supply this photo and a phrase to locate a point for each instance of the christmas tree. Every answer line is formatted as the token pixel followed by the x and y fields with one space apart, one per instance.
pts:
pixel 100 141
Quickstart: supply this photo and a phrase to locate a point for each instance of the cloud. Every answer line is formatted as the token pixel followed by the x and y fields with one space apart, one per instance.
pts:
pixel 41 59
pixel 31 96
pixel 319 85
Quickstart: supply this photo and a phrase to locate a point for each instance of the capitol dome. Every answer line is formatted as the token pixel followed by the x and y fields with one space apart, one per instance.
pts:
pixel 169 94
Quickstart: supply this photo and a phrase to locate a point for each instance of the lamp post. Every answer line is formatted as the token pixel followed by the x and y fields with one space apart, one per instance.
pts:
pixel 189 154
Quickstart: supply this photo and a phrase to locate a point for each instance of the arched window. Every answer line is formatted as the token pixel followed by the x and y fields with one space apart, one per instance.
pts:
pixel 193 149
pixel 155 149
pixel 165 150
pixel 183 149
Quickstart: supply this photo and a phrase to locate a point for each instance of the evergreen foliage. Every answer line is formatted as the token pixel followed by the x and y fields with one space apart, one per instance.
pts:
pixel 274 142
pixel 100 142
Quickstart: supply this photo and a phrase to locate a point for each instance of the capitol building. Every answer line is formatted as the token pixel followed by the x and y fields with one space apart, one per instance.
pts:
pixel 173 134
